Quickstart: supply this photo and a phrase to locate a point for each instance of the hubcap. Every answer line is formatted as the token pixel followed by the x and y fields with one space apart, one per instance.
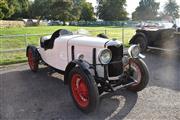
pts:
pixel 136 73
pixel 80 90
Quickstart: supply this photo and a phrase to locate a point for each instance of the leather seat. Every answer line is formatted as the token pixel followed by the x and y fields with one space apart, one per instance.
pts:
pixel 43 40
pixel 47 42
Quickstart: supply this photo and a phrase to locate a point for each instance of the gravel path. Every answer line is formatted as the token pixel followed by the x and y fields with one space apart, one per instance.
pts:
pixel 43 96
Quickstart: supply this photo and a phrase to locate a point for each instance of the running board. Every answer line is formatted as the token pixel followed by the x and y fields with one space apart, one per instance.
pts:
pixel 162 49
pixel 123 86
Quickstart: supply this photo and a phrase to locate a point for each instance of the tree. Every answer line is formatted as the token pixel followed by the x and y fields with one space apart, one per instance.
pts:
pixel 61 10
pixel 147 10
pixel 64 10
pixel 7 9
pixel 87 12
pixel 112 10
pixel 172 9
pixel 76 11
pixel 40 9
pixel 13 8
pixel 21 9
pixel 3 9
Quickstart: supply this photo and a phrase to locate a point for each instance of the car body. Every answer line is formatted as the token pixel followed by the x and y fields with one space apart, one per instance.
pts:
pixel 151 36
pixel 54 23
pixel 90 65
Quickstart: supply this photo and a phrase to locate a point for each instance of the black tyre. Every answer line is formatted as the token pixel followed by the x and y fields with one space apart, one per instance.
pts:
pixel 140 73
pixel 83 90
pixel 142 42
pixel 33 61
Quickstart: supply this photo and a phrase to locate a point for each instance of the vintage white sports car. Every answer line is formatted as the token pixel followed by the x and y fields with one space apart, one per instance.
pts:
pixel 90 65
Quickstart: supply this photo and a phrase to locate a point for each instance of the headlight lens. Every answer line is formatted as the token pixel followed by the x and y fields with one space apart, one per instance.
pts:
pixel 105 56
pixel 134 51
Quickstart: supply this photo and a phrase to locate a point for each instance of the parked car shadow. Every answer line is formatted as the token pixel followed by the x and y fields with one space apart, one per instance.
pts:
pixel 43 96
pixel 164 69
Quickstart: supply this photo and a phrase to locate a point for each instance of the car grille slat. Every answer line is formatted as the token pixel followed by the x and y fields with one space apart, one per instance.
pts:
pixel 115 67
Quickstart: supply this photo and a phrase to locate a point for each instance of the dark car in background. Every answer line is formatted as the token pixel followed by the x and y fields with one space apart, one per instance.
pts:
pixel 156 36
pixel 54 23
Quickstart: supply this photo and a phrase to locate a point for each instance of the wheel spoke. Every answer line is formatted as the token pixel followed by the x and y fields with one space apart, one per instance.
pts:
pixel 80 90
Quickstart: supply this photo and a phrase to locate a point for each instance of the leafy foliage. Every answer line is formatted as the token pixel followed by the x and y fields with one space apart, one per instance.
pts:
pixel 111 10
pixel 87 12
pixel 147 10
pixel 3 8
pixel 40 9
pixel 22 8
pixel 63 10
pixel 172 9
pixel 13 7
pixel 6 9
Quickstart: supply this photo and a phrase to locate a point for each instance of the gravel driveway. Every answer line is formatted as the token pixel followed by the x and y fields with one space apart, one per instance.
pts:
pixel 43 96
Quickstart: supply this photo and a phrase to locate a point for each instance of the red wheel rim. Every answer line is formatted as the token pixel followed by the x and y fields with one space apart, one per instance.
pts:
pixel 30 60
pixel 137 73
pixel 80 91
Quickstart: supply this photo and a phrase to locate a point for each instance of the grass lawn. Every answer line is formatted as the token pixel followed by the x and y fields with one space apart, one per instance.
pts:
pixel 10 43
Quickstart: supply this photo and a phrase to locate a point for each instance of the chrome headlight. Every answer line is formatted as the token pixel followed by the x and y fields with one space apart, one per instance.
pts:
pixel 134 51
pixel 105 56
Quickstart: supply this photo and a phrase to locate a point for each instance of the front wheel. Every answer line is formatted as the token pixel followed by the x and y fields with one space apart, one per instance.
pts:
pixel 32 60
pixel 142 42
pixel 83 90
pixel 139 72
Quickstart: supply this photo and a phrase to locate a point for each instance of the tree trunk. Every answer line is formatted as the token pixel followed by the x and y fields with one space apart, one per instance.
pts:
pixel 64 23
pixel 39 19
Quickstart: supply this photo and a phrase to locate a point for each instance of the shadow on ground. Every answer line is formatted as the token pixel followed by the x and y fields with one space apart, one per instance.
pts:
pixel 43 96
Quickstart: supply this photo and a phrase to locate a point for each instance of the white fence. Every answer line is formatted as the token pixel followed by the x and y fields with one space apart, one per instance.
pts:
pixel 12 47
pixel 25 40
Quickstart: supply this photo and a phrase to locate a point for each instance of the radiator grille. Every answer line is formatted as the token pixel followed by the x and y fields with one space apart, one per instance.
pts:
pixel 115 67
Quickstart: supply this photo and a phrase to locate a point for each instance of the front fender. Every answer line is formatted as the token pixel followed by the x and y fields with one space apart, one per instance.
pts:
pixel 83 65
pixel 36 54
pixel 132 41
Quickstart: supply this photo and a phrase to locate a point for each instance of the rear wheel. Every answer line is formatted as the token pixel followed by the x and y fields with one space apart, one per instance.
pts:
pixel 140 73
pixel 32 60
pixel 83 90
